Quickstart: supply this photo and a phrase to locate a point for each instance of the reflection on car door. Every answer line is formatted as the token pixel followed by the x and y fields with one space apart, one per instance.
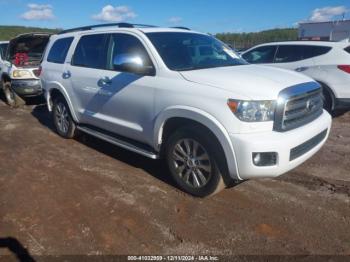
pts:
pixel 108 99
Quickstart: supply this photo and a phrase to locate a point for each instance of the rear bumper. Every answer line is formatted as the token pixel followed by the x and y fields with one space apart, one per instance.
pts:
pixel 283 143
pixel 342 103
pixel 27 87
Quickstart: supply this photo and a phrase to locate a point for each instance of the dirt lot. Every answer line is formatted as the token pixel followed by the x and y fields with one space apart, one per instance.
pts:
pixel 87 197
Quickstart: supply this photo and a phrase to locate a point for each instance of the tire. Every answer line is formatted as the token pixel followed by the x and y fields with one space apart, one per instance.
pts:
pixel 327 101
pixel 12 99
pixel 195 171
pixel 62 118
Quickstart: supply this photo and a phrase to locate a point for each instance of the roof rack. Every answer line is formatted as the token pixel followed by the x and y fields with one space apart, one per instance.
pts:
pixel 181 27
pixel 90 27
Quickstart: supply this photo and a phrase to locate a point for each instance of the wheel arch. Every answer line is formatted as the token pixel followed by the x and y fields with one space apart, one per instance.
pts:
pixel 179 116
pixel 330 92
pixel 55 91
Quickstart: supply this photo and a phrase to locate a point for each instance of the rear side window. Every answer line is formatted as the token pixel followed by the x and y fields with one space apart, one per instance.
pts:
pixel 91 51
pixel 261 55
pixel 293 53
pixel 347 49
pixel 59 50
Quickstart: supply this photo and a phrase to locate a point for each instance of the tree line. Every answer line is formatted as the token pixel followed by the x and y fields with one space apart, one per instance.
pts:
pixel 247 40
pixel 9 32
pixel 236 40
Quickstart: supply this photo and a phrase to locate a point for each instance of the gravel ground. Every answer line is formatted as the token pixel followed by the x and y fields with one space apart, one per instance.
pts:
pixel 84 196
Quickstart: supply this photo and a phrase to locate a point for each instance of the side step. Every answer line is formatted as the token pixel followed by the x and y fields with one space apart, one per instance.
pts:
pixel 119 142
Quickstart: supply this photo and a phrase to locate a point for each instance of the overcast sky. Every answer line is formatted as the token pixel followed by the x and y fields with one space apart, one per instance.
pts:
pixel 204 15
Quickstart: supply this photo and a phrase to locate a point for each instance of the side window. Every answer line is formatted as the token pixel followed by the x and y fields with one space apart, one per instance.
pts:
pixel 289 53
pixel 91 51
pixel 125 44
pixel 261 55
pixel 59 50
pixel 347 49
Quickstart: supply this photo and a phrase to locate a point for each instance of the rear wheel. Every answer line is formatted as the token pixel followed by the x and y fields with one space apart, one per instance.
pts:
pixel 193 164
pixel 12 99
pixel 63 121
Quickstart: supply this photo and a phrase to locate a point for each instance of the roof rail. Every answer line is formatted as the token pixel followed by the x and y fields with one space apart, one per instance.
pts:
pixel 181 27
pixel 90 27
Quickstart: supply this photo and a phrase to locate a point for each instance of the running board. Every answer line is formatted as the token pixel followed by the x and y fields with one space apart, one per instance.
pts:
pixel 119 142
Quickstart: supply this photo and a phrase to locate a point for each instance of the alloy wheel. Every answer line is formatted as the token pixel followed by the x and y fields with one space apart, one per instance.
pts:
pixel 192 163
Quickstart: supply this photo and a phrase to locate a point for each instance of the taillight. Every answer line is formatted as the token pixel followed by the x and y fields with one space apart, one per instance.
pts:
pixel 345 68
pixel 37 72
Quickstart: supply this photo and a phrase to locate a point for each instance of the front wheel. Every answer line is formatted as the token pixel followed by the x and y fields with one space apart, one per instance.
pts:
pixel 12 99
pixel 193 164
pixel 62 119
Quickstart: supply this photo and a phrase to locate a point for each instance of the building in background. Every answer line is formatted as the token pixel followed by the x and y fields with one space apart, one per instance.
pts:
pixel 325 31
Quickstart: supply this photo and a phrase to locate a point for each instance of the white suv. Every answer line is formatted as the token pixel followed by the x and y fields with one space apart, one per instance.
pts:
pixel 186 97
pixel 326 62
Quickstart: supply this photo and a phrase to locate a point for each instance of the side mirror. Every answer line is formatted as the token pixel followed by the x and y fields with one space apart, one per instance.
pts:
pixel 132 64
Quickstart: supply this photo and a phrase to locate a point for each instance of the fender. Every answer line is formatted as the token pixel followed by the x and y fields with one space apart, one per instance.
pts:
pixel 57 86
pixel 205 119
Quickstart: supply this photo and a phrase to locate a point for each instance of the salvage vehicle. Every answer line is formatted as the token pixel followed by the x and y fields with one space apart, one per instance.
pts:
pixel 184 97
pixel 326 62
pixel 20 67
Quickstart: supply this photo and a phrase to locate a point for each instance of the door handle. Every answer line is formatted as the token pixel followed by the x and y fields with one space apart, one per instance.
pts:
pixel 66 75
pixel 106 80
pixel 301 69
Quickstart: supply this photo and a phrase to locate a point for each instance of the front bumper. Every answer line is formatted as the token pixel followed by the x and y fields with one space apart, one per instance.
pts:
pixel 27 87
pixel 282 144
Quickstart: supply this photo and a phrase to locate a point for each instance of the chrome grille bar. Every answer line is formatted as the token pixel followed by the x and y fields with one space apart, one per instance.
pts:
pixel 298 106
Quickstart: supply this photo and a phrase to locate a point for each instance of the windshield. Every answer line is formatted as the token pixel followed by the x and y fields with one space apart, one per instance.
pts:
pixel 190 51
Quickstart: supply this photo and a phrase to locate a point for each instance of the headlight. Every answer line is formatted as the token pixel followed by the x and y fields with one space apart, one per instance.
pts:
pixel 253 111
pixel 21 74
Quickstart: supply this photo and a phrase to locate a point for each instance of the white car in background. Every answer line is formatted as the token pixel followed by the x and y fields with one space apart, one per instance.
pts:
pixel 326 62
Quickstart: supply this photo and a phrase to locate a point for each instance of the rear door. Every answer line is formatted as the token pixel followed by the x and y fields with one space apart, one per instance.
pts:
pixel 84 73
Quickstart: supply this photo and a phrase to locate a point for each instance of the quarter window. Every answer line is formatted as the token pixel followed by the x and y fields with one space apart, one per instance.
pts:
pixel 59 50
pixel 261 55
pixel 91 51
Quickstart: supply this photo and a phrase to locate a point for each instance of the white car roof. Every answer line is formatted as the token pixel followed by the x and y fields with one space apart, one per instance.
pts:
pixel 4 42
pixel 313 43
pixel 111 29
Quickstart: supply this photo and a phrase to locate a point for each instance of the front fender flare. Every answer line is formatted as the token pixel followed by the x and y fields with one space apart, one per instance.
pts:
pixel 205 119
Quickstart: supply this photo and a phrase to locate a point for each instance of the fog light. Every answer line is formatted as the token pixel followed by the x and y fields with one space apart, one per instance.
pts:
pixel 265 159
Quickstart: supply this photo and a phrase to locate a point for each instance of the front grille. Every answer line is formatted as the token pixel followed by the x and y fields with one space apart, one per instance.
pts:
pixel 307 146
pixel 300 105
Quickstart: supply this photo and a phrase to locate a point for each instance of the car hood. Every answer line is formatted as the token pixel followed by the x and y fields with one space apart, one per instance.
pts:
pixel 252 81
